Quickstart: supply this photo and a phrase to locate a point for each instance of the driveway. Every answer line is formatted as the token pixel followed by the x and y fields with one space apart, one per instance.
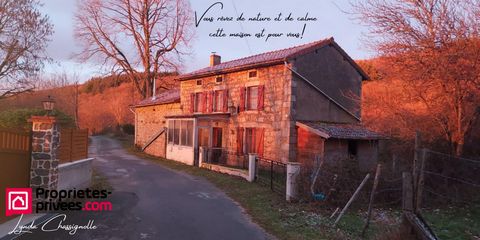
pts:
pixel 153 202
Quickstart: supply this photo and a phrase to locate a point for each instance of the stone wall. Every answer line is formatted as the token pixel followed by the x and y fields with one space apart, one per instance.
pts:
pixel 149 120
pixel 280 134
pixel 45 143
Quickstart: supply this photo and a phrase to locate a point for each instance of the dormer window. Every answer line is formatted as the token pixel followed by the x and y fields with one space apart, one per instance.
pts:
pixel 219 79
pixel 199 82
pixel 252 74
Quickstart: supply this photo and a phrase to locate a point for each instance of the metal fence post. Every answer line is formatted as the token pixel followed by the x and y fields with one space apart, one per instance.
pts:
pixel 251 167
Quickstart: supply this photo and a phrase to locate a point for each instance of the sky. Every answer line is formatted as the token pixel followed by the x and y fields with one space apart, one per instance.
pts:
pixel 331 22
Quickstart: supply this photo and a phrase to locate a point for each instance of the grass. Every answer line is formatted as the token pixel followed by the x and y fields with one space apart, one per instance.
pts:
pixel 270 210
pixel 455 222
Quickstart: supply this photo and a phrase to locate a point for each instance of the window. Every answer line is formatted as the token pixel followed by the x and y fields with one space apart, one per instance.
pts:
pixel 249 140
pixel 252 98
pixel 189 141
pixel 352 148
pixel 180 132
pixel 176 132
pixel 254 140
pixel 252 74
pixel 183 132
pixel 170 131
pixel 199 82
pixel 198 102
pixel 219 79
pixel 218 101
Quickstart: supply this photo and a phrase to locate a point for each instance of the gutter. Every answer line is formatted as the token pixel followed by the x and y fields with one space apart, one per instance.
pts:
pixel 322 92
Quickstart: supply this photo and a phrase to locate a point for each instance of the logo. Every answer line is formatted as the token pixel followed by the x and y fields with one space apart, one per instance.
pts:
pixel 18 201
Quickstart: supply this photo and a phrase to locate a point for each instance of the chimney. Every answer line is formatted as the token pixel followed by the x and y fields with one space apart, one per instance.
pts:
pixel 215 59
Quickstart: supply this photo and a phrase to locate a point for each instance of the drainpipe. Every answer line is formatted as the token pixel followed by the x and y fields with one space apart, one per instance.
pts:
pixel 322 92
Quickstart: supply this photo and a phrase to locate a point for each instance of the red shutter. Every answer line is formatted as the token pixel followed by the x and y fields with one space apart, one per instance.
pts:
pixel 240 140
pixel 261 97
pixel 259 135
pixel 225 100
pixel 192 102
pixel 204 102
pixel 242 99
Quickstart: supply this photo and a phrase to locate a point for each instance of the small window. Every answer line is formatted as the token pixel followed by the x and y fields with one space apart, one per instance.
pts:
pixel 219 79
pixel 252 74
pixel 199 82
pixel 252 98
pixel 352 148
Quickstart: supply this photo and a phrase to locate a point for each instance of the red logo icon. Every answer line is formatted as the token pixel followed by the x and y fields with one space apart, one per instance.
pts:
pixel 18 201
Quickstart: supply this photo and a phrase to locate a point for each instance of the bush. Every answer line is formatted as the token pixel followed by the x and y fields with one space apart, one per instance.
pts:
pixel 18 118
pixel 128 129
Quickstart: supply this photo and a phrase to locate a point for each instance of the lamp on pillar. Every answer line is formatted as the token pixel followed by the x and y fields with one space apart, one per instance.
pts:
pixel 48 104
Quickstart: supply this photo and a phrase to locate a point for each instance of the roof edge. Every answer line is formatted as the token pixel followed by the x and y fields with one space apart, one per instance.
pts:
pixel 154 104
pixel 231 70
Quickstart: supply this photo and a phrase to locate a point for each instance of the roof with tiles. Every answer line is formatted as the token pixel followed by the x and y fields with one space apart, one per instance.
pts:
pixel 169 96
pixel 343 130
pixel 273 57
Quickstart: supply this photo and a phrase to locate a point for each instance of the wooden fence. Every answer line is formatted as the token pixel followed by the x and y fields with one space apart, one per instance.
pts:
pixel 15 149
pixel 73 145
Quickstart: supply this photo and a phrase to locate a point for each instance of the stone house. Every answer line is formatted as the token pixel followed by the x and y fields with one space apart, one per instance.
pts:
pixel 287 105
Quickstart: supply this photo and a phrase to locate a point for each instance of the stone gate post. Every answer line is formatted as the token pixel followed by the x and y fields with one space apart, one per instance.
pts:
pixel 45 143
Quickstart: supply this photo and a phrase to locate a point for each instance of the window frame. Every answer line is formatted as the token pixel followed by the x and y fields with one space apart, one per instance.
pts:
pixel 219 77
pixel 216 108
pixel 185 132
pixel 248 101
pixel 252 71
pixel 197 108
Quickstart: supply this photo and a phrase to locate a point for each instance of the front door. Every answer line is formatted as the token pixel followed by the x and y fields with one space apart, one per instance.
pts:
pixel 216 145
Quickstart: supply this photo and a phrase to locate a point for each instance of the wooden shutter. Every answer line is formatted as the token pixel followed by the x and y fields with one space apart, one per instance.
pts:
pixel 259 135
pixel 192 102
pixel 242 99
pixel 240 132
pixel 225 100
pixel 261 97
pixel 204 102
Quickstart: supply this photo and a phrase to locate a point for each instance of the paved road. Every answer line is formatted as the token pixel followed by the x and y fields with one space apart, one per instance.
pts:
pixel 152 202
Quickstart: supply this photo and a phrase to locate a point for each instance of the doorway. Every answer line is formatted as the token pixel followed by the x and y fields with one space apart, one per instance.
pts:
pixel 217 150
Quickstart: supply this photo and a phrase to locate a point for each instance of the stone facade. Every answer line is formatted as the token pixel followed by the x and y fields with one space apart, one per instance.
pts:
pixel 149 120
pixel 45 143
pixel 274 118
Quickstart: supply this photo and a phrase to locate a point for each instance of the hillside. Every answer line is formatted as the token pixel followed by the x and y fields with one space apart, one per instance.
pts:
pixel 103 103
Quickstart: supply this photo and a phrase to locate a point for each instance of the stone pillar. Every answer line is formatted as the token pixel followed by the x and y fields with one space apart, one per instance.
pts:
pixel 201 156
pixel 293 175
pixel 251 167
pixel 45 143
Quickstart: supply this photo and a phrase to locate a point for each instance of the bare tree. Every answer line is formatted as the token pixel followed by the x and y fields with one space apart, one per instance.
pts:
pixel 140 38
pixel 24 34
pixel 434 47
